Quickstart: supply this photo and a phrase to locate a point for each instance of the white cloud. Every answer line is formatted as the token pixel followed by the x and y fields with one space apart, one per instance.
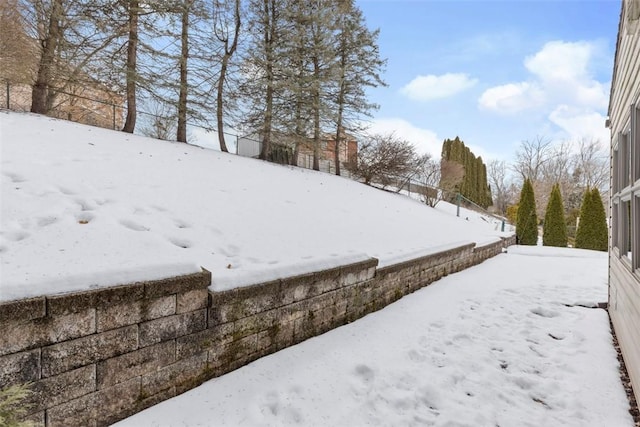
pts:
pixel 561 88
pixel 511 98
pixel 559 60
pixel 429 87
pixel 425 140
pixel 579 123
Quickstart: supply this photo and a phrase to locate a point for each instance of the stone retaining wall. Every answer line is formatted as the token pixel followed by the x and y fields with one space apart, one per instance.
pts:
pixel 95 357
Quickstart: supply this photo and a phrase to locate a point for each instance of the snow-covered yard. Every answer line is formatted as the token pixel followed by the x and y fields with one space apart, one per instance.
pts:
pixel 506 343
pixel 502 344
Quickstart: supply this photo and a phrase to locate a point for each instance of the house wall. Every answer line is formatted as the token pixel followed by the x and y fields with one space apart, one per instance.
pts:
pixel 99 356
pixel 624 283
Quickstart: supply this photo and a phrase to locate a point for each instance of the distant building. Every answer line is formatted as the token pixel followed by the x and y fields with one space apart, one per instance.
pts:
pixel 83 100
pixel 624 248
pixel 251 145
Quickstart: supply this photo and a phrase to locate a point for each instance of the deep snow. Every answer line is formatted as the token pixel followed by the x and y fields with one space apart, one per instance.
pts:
pixel 506 343
pixel 83 207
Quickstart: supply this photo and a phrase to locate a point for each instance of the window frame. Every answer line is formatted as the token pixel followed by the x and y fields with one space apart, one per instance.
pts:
pixel 625 192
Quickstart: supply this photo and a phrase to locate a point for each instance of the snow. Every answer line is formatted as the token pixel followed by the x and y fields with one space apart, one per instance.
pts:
pixel 505 343
pixel 510 342
pixel 84 207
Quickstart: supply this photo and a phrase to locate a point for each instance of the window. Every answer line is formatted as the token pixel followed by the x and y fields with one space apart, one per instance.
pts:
pixel 625 189
pixel 635 226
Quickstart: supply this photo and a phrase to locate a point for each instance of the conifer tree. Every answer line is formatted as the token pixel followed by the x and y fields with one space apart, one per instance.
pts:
pixel 527 222
pixel 592 229
pixel 555 226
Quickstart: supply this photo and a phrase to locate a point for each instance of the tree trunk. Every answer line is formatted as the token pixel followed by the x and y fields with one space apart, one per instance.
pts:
pixel 339 132
pixel 181 134
pixel 132 56
pixel 266 131
pixel 228 52
pixel 269 37
pixel 223 72
pixel 316 114
pixel 40 91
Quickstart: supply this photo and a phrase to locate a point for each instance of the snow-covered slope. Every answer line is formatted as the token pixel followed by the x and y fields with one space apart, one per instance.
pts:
pixel 85 207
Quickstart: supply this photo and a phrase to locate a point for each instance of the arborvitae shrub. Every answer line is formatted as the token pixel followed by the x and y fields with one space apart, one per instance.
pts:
pixel 555 226
pixel 527 222
pixel 592 229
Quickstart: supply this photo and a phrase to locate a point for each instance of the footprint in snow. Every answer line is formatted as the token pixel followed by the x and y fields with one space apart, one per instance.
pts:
pixel 179 242
pixel 365 373
pixel 66 191
pixel 85 205
pixel 16 236
pixel 14 177
pixel 181 224
pixel 543 312
pixel 46 220
pixel 132 225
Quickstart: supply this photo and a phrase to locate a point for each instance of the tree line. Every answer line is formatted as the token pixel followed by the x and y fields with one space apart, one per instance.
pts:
pixel 269 67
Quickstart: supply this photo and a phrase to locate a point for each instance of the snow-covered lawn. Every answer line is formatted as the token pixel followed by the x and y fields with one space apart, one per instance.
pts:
pixel 501 344
pixel 84 207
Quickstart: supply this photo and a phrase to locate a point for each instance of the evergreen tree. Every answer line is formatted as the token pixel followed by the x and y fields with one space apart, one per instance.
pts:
pixel 527 222
pixel 555 226
pixel 592 229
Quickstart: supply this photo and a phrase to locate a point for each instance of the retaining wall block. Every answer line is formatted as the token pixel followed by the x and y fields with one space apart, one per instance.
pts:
pixel 129 365
pixel 177 285
pixel 61 388
pixel 102 408
pixel 23 310
pixel 19 335
pixel 68 355
pixel 171 327
pixel 183 375
pixel 254 324
pixel 58 305
pixel 20 368
pixel 195 299
pixel 133 312
pixel 190 345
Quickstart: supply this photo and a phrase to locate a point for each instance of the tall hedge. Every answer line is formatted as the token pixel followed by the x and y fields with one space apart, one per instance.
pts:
pixel 527 221
pixel 555 227
pixel 592 229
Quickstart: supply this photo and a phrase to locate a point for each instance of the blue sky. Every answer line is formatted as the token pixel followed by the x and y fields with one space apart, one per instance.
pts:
pixel 493 72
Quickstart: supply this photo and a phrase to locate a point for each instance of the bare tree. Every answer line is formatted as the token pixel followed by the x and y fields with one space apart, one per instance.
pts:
pixel 384 158
pixel 160 123
pixel 531 158
pixel 591 167
pixel 500 186
pixel 221 30
pixel 430 177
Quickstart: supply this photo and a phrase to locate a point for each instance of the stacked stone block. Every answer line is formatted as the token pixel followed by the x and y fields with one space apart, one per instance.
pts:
pixel 95 357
